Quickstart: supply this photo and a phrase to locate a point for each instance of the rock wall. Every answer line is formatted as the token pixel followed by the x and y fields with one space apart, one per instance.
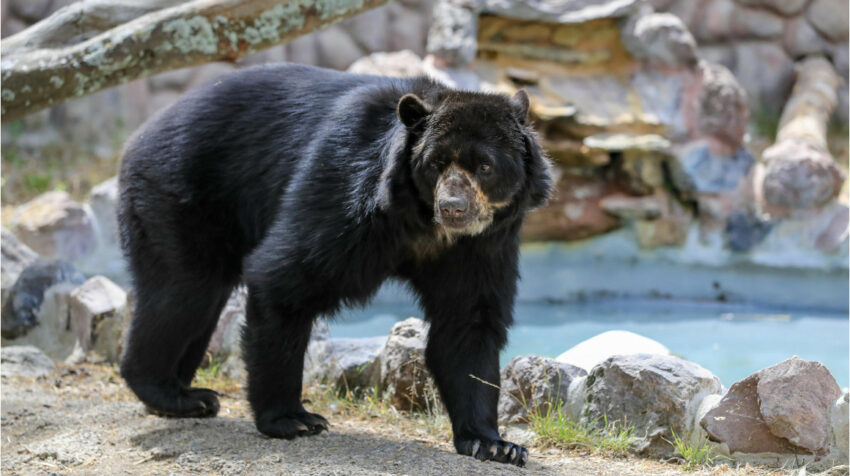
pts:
pixel 759 40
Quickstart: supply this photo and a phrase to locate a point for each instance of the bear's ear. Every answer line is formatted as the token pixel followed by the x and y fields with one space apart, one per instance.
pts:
pixel 520 104
pixel 411 110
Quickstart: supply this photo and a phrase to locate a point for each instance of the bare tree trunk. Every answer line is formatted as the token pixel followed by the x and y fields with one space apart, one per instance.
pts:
pixel 36 75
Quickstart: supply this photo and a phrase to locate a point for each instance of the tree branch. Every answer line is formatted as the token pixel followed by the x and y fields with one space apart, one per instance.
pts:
pixel 188 34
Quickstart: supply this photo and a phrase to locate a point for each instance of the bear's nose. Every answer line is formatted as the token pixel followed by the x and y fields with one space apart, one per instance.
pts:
pixel 454 206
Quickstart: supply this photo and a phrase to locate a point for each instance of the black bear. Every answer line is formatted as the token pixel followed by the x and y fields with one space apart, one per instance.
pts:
pixel 313 187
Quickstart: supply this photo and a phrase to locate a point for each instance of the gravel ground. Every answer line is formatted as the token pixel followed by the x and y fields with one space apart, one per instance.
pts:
pixel 82 420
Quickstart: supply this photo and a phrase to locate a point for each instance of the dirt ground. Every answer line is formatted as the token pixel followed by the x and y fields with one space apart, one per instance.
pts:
pixel 83 420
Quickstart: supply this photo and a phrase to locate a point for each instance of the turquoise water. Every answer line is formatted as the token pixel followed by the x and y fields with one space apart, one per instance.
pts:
pixel 732 341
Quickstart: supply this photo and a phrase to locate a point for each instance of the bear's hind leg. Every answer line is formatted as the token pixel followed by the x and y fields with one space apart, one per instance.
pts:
pixel 169 333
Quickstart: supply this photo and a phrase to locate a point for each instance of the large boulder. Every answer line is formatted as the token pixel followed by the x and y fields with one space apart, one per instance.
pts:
pixel 405 379
pixel 781 409
pixel 794 399
pixel 23 309
pixel 55 226
pixel 24 360
pixel 655 394
pixel 98 317
pixel 532 384
pixel 16 256
pixel 592 352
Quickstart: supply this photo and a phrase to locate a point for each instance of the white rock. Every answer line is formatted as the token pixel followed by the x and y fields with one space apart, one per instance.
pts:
pixel 24 360
pixel 97 316
pixel 587 354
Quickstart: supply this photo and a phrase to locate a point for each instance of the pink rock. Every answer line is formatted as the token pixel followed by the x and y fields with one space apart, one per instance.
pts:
pixel 783 7
pixel 800 39
pixel 781 409
pixel 794 400
pixel 737 421
pixel 830 18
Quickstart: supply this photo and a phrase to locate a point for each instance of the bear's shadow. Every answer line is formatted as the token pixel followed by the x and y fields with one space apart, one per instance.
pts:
pixel 235 442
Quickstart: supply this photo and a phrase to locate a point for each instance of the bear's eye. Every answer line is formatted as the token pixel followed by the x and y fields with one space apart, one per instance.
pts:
pixel 484 168
pixel 434 165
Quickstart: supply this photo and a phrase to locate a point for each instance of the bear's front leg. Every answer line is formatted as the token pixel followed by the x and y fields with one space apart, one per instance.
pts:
pixel 468 299
pixel 273 345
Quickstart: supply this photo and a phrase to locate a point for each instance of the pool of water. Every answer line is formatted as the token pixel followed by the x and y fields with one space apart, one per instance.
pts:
pixel 732 341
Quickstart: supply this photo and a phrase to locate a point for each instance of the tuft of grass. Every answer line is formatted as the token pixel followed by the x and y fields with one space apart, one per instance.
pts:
pixel 554 429
pixel 695 455
pixel 368 404
pixel 210 376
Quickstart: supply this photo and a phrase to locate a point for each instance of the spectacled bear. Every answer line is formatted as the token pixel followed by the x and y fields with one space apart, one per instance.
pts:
pixel 313 187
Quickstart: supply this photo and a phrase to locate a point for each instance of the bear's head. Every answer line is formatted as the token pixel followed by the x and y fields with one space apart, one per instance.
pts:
pixel 474 158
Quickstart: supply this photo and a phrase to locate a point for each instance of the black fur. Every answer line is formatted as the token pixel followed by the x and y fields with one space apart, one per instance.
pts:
pixel 314 187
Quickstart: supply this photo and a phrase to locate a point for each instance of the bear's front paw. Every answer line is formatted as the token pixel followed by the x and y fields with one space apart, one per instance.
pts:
pixel 290 425
pixel 493 450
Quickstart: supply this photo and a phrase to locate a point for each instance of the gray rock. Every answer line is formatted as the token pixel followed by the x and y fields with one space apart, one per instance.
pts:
pixel 21 312
pixel 800 39
pixel 722 110
pixel 452 36
pixel 662 39
pixel 656 394
pixel 737 421
pixel 795 397
pixel 698 169
pixel 16 256
pixel 830 18
pixel 25 361
pixel 532 384
pixel 348 364
pixel 98 314
pixel 714 23
pixel 31 10
pixel 755 23
pixel 798 175
pixel 784 7
pixel 744 230
pixel 766 72
pixel 337 49
pixel 55 226
pixel 405 379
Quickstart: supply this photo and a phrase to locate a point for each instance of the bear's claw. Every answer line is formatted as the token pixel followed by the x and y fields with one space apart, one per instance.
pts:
pixel 499 450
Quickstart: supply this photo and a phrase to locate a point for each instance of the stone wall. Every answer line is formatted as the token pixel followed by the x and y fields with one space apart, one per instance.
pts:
pixel 759 41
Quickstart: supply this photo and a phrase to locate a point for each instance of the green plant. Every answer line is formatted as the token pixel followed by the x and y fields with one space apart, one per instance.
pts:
pixel 698 454
pixel 554 428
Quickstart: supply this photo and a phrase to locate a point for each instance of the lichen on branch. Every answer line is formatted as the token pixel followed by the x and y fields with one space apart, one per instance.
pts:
pixel 37 74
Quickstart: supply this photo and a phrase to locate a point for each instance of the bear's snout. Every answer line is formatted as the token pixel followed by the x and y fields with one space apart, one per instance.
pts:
pixel 453 207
